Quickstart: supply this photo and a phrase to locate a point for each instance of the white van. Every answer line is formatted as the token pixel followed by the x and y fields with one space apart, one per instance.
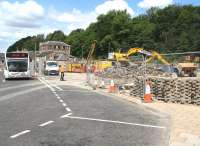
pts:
pixel 51 68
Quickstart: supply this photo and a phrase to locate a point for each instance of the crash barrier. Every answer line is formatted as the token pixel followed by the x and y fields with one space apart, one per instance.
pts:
pixel 176 90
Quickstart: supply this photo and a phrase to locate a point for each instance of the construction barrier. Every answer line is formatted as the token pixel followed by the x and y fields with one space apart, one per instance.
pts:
pixel 99 66
pixel 76 68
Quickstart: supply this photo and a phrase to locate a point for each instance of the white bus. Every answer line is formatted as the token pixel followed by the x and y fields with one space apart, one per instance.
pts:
pixel 17 65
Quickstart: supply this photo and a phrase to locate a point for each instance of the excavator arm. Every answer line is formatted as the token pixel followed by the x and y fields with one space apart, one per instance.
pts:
pixel 124 56
pixel 156 55
pixel 132 51
pixel 151 55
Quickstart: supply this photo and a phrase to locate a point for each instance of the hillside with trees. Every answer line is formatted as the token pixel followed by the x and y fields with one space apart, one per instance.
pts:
pixel 172 29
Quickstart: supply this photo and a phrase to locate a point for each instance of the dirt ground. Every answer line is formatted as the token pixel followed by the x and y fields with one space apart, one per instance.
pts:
pixel 185 119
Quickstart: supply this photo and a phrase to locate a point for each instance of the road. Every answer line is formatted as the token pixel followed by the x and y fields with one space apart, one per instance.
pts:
pixel 36 113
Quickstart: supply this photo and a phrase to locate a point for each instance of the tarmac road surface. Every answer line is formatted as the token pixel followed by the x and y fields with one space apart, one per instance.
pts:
pixel 36 113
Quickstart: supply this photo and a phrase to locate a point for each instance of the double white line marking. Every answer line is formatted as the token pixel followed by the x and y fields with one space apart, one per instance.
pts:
pixel 56 86
pixel 49 85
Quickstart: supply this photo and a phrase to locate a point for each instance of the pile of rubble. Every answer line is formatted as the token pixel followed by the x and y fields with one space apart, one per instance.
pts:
pixel 164 87
pixel 129 74
pixel 176 90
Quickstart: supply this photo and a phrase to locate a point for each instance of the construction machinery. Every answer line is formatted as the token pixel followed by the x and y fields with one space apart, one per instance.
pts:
pixel 132 51
pixel 118 56
pixel 125 56
pixel 186 69
pixel 180 69
pixel 156 55
pixel 91 52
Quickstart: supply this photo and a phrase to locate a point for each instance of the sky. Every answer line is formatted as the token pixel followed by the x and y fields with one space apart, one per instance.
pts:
pixel 22 18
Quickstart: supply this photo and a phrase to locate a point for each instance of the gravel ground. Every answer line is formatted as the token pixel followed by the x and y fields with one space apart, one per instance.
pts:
pixel 185 120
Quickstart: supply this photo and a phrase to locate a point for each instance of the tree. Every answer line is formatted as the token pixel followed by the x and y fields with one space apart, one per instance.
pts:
pixel 175 28
pixel 56 36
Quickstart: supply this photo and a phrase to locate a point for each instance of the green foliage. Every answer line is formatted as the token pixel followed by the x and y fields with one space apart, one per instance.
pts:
pixel 28 43
pixel 172 29
pixel 56 36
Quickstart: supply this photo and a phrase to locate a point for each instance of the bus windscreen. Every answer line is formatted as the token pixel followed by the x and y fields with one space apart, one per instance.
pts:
pixel 17 65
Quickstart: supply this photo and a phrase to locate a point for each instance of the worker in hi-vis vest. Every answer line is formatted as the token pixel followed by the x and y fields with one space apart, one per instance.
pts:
pixel 62 71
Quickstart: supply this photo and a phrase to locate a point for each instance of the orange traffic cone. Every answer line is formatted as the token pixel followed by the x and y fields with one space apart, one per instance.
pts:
pixel 112 87
pixel 147 95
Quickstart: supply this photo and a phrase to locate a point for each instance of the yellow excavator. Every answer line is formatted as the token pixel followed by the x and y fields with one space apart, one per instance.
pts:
pixel 156 55
pixel 125 56
pixel 120 56
pixel 182 69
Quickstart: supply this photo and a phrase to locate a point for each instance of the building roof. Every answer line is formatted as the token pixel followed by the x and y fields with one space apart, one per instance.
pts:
pixel 58 43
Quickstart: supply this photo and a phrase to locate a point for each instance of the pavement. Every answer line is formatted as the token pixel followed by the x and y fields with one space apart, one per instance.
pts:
pixel 49 112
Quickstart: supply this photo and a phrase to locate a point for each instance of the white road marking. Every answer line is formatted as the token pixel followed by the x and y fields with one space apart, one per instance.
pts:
pixel 51 88
pixel 68 109
pixel 56 86
pixel 20 133
pixel 116 122
pixel 64 104
pixel 49 85
pixel 67 115
pixel 46 123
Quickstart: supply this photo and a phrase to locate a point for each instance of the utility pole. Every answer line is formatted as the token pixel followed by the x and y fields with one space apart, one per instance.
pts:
pixel 82 52
pixel 109 47
pixel 35 58
pixel 144 74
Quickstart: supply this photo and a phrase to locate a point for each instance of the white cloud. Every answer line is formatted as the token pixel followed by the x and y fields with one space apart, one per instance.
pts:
pixel 19 19
pixel 74 19
pixel 113 5
pixel 154 3
pixel 24 18
pixel 21 14
pixel 78 19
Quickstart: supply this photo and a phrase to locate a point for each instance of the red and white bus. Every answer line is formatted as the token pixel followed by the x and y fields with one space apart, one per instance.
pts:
pixel 17 65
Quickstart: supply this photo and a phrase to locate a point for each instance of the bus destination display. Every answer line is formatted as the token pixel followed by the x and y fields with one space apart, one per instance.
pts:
pixel 17 55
